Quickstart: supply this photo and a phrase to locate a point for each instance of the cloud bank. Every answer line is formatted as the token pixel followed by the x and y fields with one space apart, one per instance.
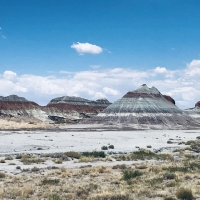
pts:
pixel 83 48
pixel 182 85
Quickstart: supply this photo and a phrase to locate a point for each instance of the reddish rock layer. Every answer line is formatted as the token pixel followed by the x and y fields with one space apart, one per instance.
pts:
pixel 169 99
pixel 197 104
pixel 16 105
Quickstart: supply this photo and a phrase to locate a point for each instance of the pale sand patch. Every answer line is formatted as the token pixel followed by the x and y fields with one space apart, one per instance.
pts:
pixel 11 124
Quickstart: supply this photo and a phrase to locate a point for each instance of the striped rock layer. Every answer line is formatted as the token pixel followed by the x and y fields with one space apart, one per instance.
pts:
pixel 144 106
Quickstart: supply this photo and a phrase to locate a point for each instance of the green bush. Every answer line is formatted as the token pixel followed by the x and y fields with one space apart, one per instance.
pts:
pixel 169 176
pixel 73 154
pixel 50 181
pixel 96 154
pixel 123 166
pixel 111 147
pixel 184 194
pixel 104 148
pixel 8 158
pixel 2 175
pixel 35 169
pixel 127 174
pixel 54 197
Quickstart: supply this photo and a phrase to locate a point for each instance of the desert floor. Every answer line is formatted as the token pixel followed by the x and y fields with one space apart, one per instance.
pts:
pixel 148 164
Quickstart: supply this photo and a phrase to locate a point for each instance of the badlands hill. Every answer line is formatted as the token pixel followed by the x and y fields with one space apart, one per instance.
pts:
pixel 145 106
pixel 194 112
pixel 19 107
pixel 68 109
pixel 62 109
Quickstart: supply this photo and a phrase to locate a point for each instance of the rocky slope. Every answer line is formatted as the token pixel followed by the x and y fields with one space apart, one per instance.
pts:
pixel 145 106
pixel 73 109
pixel 17 107
pixel 194 112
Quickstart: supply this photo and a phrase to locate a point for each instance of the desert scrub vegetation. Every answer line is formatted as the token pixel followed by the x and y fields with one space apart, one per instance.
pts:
pixel 128 174
pixel 54 197
pixel 28 159
pixel 2 175
pixel 144 154
pixel 73 154
pixel 50 181
pixel 95 154
pixel 184 194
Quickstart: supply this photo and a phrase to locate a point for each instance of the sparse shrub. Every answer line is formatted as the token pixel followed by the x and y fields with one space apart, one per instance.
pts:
pixel 171 184
pixel 104 148
pixel 50 181
pixel 127 174
pixel 123 166
pixel 81 192
pixel 110 196
pixel 140 166
pixel 54 197
pixel 8 158
pixel 184 194
pixel 87 159
pixel 176 169
pixel 155 181
pixel 12 164
pixel 19 156
pixel 111 146
pixel 96 154
pixel 142 154
pixel 58 161
pixel 35 169
pixel 102 169
pixel 28 160
pixel 190 142
pixel 2 175
pixel 73 154
pixel 194 165
pixel 169 176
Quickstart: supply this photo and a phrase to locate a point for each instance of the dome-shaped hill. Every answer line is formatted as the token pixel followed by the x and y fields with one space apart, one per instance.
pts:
pixel 144 106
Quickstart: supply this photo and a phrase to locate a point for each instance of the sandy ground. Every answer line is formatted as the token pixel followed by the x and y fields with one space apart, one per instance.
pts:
pixel 13 142
pixel 6 124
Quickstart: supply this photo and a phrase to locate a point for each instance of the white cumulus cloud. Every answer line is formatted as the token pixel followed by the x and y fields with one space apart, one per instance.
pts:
pixel 86 47
pixel 111 91
pixel 182 85
pixel 160 70
pixel 193 68
pixel 10 75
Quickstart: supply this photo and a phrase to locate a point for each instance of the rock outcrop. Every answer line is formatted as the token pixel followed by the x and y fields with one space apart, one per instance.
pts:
pixel 197 105
pixel 73 109
pixel 194 112
pixel 144 106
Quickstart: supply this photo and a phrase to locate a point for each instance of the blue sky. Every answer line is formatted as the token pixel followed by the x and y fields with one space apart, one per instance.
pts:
pixel 135 36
